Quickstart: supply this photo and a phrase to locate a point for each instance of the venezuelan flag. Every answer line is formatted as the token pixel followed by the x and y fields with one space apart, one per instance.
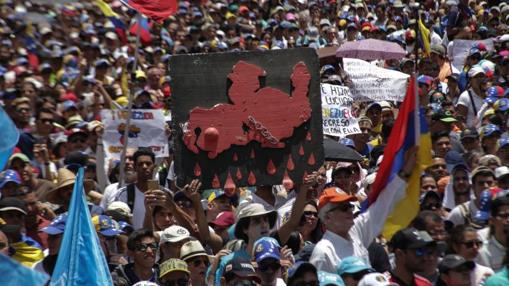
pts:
pixel 425 38
pixel 410 129
pixel 120 27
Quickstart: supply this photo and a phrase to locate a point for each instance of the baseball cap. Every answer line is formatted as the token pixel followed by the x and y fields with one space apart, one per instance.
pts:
pixel 266 247
pixel 13 204
pixel 299 269
pixel 119 209
pixel 353 264
pixel 501 172
pixel 172 265
pixel 501 104
pixel 69 104
pixel 242 267
pixel 328 279
pixel 503 141
pixel 475 70
pixel 57 225
pixel 455 262
pixel 444 116
pixel 192 249
pixel 469 133
pixel 174 233
pixel 375 279
pixel 373 105
pixel 410 238
pixel 489 130
pixel 224 219
pixel 438 49
pixel 105 225
pixel 8 176
pixel 19 156
pixel 334 195
pixel 424 79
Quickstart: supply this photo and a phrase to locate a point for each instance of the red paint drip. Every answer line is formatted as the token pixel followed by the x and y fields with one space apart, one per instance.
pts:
pixel 289 164
pixel 301 150
pixel 308 136
pixel 304 175
pixel 197 170
pixel 229 186
pixel 287 182
pixel 251 179
pixel 271 169
pixel 215 182
pixel 252 156
pixel 311 159
pixel 238 175
pixel 235 157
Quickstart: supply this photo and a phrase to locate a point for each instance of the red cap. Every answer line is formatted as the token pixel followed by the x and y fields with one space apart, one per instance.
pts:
pixel 69 95
pixel 334 195
pixel 224 219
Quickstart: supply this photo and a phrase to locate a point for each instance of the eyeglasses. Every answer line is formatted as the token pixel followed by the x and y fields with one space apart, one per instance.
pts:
pixel 144 246
pixel 77 139
pixel 265 266
pixel 198 262
pixel 178 282
pixel 471 243
pixel 344 207
pixel 310 213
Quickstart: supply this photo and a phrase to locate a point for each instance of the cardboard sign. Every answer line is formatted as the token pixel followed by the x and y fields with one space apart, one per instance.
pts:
pixel 245 119
pixel 146 129
pixel 461 49
pixel 337 111
pixel 372 83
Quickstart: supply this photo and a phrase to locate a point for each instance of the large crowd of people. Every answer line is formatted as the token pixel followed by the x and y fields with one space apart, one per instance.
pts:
pixel 62 63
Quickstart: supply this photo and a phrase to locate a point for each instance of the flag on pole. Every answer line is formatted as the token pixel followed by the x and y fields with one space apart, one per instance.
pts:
pixel 424 38
pixel 14 274
pixel 157 10
pixel 143 24
pixel 9 138
pixel 410 129
pixel 81 260
pixel 120 27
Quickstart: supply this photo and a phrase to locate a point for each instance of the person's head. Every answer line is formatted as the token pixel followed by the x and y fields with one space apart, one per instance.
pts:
pixel 77 140
pixel 490 134
pixel 470 139
pixel 154 75
pixel 344 176
pixel 499 220
pixel 477 80
pixel 460 180
pixel 222 222
pixel 174 272
pixel 387 112
pixel 352 269
pixel 20 163
pixel 365 125
pixel 62 193
pixel 55 232
pixel 432 223
pixel 431 201
pixel 218 201
pixel 108 231
pixel 144 164
pixel 254 221
pixel 267 255
pixel 142 248
pixel 482 178
pixel 193 253
pixel 374 113
pixel 502 175
pixel 22 111
pixel 44 121
pixel 503 149
pixel 455 270
pixel 119 211
pixel 438 54
pixel 335 210
pixel 10 182
pixel 172 240
pixel 309 217
pixel 438 168
pixel 441 143
pixel 428 183
pixel 162 217
pixel 411 248
pixel 441 121
pixel 465 242
pixel 13 211
pixel 302 273
pixel 239 271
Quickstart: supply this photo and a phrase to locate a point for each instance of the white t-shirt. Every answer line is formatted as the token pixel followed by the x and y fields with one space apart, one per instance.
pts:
pixel 139 205
pixel 464 100
pixel 110 192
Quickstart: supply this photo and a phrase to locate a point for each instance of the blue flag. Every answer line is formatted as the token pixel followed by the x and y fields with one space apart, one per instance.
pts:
pixel 14 274
pixel 9 138
pixel 81 260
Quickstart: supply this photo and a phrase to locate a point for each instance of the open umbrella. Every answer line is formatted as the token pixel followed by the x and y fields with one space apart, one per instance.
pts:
pixel 371 49
pixel 335 151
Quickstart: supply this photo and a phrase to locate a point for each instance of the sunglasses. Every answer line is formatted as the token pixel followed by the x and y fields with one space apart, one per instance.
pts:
pixel 344 207
pixel 310 213
pixel 265 266
pixel 198 262
pixel 471 243
pixel 178 282
pixel 77 139
pixel 143 246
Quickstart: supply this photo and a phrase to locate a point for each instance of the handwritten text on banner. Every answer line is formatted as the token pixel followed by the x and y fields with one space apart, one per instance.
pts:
pixel 337 111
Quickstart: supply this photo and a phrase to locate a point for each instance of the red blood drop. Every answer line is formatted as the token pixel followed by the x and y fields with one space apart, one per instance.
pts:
pixel 311 159
pixel 197 170
pixel 238 174
pixel 287 182
pixel 229 185
pixel 251 179
pixel 308 136
pixel 271 169
pixel 215 182
pixel 235 157
pixel 290 165
pixel 252 156
pixel 301 150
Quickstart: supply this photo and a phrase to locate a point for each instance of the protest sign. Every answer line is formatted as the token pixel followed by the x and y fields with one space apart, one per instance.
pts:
pixel 337 111
pixel 146 130
pixel 372 83
pixel 461 48
pixel 246 119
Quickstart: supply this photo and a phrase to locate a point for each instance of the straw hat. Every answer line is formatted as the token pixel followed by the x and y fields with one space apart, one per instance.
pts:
pixel 65 178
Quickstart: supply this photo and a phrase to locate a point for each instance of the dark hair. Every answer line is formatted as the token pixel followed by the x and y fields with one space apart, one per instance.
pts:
pixel 426 175
pixel 435 136
pixel 38 112
pixel 456 236
pixel 144 152
pixel 419 221
pixel 498 203
pixel 317 233
pixel 137 236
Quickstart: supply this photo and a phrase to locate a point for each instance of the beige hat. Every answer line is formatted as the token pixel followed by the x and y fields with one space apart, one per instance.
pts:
pixel 192 249
pixel 252 210
pixel 172 265
pixel 174 233
pixel 121 208
pixel 64 178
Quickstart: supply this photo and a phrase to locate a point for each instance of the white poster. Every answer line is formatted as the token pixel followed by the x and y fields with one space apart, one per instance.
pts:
pixel 372 83
pixel 337 111
pixel 461 48
pixel 147 129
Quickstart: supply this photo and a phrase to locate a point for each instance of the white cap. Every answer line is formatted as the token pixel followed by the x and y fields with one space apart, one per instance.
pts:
pixel 375 279
pixel 111 36
pixel 501 171
pixel 174 233
pixel 120 207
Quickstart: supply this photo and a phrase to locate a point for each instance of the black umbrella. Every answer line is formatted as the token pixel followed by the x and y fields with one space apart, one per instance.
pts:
pixel 335 151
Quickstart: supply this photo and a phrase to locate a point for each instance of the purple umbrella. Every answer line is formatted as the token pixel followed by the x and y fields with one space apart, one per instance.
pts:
pixel 371 49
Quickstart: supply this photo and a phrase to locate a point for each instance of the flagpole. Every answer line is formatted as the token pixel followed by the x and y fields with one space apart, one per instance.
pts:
pixel 129 105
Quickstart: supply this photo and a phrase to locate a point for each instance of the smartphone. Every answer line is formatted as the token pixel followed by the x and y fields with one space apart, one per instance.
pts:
pixel 153 185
